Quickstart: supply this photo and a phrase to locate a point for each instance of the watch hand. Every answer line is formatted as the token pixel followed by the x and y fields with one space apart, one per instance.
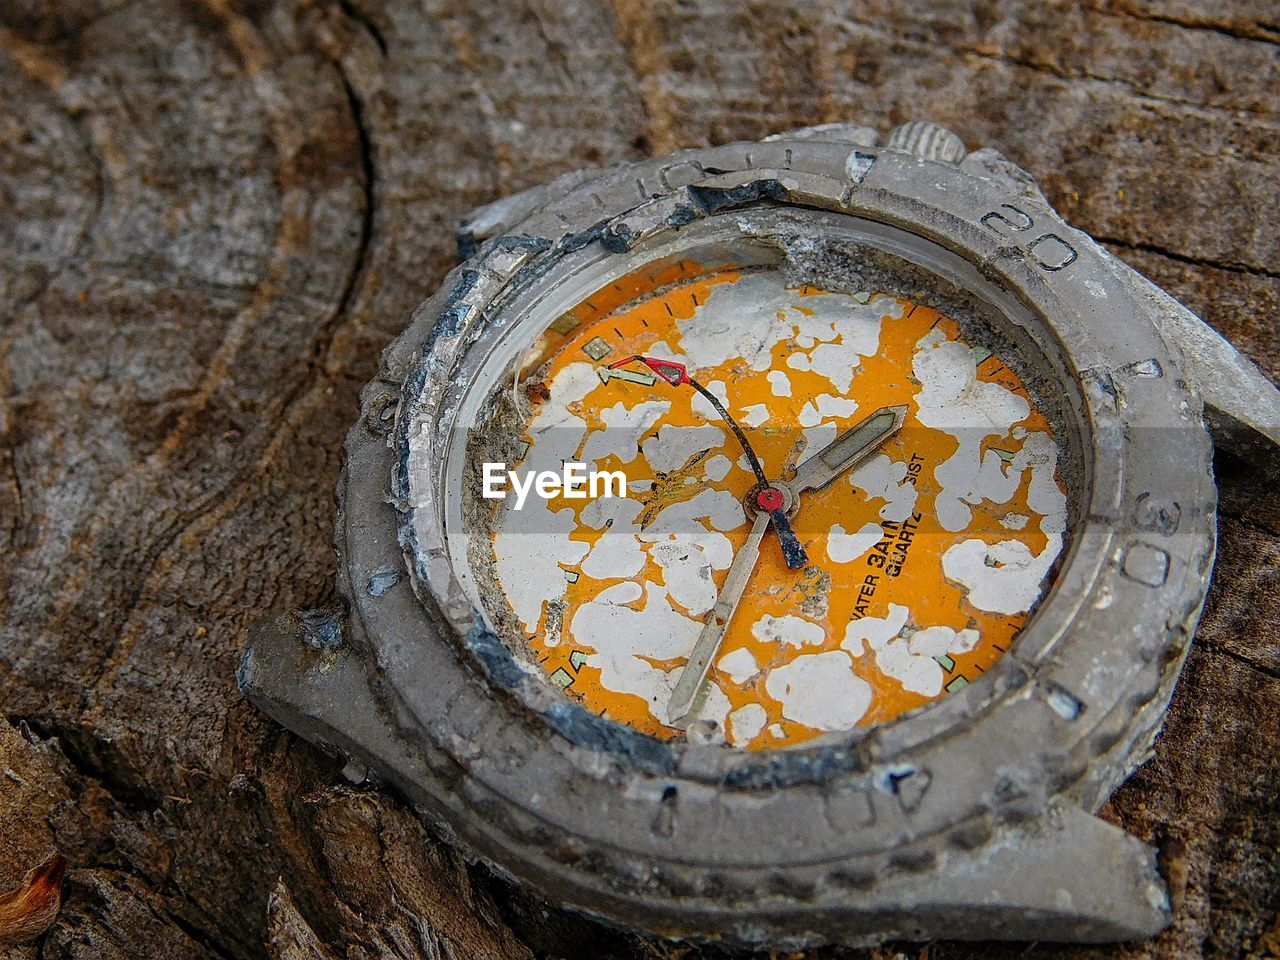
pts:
pixel 793 551
pixel 772 502
pixel 846 451
pixel 676 373
pixel 680 708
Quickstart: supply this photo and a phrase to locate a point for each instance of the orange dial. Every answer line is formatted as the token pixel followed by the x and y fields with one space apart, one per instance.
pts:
pixel 924 559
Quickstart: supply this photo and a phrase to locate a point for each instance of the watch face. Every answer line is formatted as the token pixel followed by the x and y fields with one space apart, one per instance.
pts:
pixel 924 558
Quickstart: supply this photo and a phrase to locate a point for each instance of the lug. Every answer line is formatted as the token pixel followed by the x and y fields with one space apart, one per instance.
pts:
pixel 1242 406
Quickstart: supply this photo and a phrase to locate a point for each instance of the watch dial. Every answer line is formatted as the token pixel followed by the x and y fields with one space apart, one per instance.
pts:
pixel 924 560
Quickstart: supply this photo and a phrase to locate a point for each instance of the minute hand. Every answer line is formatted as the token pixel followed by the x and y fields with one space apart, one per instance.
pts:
pixel 846 450
pixel 680 709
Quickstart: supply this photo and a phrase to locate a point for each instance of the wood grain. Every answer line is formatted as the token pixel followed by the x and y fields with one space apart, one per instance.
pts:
pixel 214 214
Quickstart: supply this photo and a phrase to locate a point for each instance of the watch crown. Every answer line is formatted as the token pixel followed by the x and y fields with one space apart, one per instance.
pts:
pixel 928 140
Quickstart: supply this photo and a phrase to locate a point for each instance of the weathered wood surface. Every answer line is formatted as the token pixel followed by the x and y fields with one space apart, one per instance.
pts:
pixel 214 214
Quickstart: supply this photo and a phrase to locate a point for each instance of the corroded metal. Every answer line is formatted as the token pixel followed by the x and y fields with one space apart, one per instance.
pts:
pixel 972 819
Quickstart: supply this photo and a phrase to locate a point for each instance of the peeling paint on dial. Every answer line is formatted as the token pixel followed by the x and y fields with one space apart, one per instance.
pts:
pixel 926 559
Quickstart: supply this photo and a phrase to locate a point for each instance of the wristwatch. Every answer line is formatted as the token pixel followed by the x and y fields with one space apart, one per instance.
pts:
pixel 779 543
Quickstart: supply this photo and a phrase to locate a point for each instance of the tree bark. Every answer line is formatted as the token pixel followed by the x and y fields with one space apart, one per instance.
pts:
pixel 215 213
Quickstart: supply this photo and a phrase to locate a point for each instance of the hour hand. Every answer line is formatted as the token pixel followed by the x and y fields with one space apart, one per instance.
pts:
pixel 793 551
pixel 846 450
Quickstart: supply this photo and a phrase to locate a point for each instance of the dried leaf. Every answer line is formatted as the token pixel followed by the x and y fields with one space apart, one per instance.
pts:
pixel 28 910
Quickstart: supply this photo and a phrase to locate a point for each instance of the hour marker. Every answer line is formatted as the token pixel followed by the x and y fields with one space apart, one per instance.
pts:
pixel 562 677
pixel 959 683
pixel 577 659
pixel 596 349
pixel 565 323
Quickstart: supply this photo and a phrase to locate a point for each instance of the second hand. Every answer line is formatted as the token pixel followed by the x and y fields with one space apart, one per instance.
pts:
pixel 768 498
